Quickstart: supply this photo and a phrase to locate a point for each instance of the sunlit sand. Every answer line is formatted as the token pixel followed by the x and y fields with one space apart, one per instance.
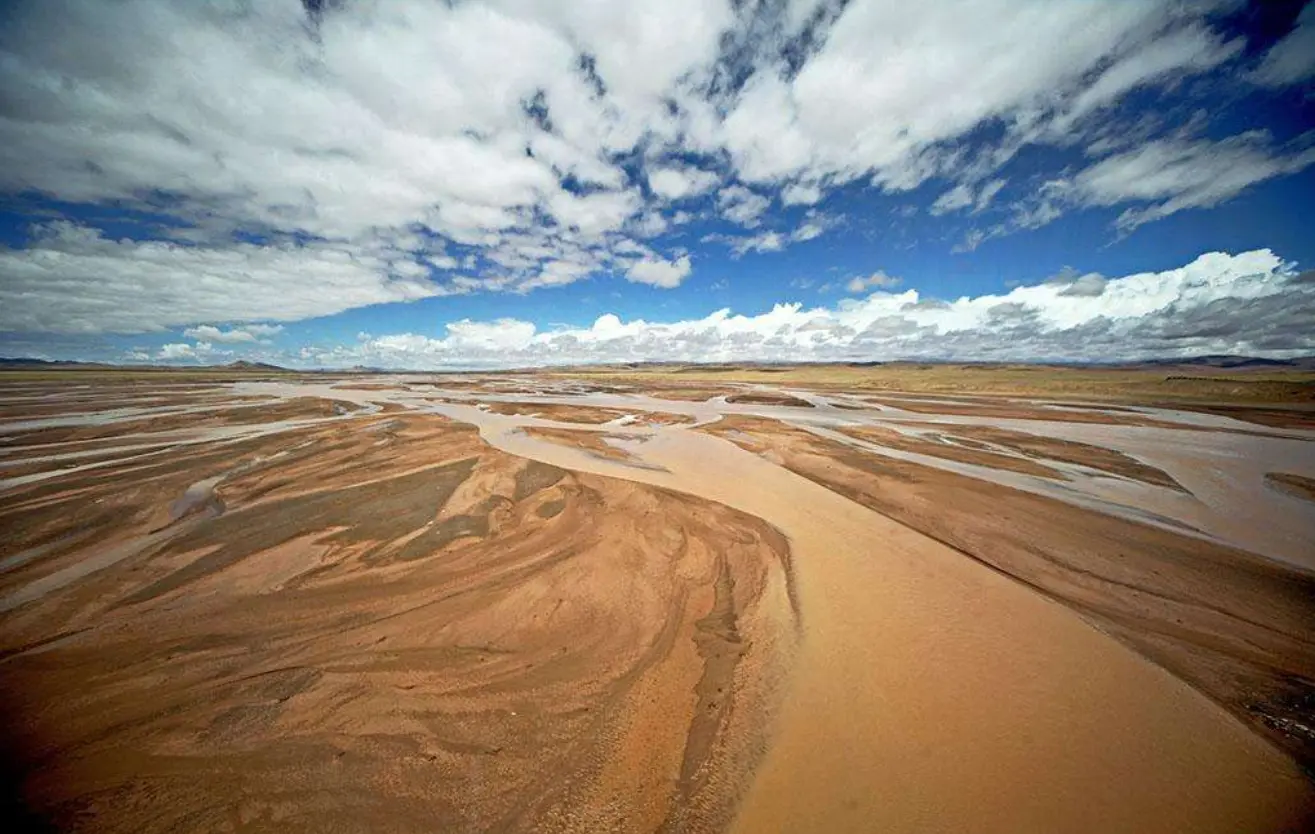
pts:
pixel 423 603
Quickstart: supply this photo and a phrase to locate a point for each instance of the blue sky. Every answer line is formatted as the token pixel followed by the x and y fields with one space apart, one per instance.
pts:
pixel 419 184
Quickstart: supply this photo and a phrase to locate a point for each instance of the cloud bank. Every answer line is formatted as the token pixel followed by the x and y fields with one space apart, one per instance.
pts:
pixel 1247 303
pixel 285 161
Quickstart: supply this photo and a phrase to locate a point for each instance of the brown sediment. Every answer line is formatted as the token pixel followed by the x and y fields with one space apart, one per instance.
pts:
pixel 1017 411
pixel 385 623
pixel 1298 486
pixel 34 462
pixel 369 386
pixel 1068 451
pixel 389 626
pixel 756 398
pixel 1067 404
pixel 685 393
pixel 18 410
pixel 298 408
pixel 591 441
pixel 1281 418
pixel 583 414
pixel 893 439
pixel 1090 413
pixel 1237 627
pixel 501 387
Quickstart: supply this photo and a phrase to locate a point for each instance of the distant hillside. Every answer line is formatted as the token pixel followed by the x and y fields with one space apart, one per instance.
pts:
pixel 244 365
pixel 1230 361
pixel 1216 362
pixel 29 364
pixel 25 363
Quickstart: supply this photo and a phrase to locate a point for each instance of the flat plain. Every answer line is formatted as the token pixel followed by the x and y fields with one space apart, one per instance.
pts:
pixel 795 598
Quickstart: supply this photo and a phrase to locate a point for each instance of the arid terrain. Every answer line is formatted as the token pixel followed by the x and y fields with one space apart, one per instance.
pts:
pixel 685 599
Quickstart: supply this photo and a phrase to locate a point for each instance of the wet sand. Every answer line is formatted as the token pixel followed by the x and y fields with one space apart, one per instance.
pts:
pixel 583 414
pixel 1236 626
pixel 1296 485
pixel 416 612
pixel 426 633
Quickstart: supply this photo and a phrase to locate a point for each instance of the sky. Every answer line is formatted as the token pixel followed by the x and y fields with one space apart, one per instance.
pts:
pixel 465 184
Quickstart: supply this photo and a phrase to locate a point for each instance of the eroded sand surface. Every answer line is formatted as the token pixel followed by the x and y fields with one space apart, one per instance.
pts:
pixel 520 603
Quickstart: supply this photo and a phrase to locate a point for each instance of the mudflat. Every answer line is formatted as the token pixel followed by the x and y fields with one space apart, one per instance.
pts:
pixel 543 603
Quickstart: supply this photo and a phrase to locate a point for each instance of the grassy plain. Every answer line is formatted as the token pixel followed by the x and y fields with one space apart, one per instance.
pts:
pixel 1149 385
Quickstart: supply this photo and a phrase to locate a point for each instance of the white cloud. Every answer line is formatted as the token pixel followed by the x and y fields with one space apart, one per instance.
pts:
pixel 182 352
pixel 1249 303
pixel 175 351
pixel 1176 175
pixel 1157 179
pixel 246 333
pixel 678 183
pixel 808 230
pixel 961 196
pixel 987 193
pixel 1293 58
pixel 73 280
pixel 649 225
pixel 801 194
pixel 877 280
pixel 1191 49
pixel 657 272
pixel 815 224
pixel 762 242
pixel 1075 283
pixel 594 214
pixel 388 132
pixel 741 205
pixel 256 118
pixel 894 81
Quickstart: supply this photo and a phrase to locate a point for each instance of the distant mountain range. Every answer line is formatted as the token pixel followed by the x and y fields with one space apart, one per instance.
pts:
pixel 1215 361
pixel 1229 361
pixel 23 363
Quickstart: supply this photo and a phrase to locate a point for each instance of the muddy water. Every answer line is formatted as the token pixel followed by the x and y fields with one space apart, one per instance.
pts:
pixel 1224 470
pixel 930 694
pixel 933 695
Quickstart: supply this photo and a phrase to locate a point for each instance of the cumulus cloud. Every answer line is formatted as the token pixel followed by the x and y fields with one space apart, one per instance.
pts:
pixel 762 242
pixel 262 118
pixel 657 272
pixel 1250 303
pixel 1075 283
pixel 741 205
pixel 181 352
pixel 246 333
pixel 387 151
pixel 814 224
pixel 877 280
pixel 893 82
pixel 72 279
pixel 176 351
pixel 678 183
pixel 801 194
